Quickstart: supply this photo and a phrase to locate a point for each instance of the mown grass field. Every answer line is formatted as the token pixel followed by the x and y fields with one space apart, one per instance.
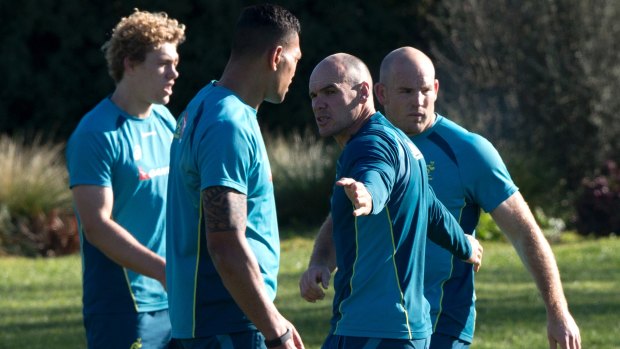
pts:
pixel 40 298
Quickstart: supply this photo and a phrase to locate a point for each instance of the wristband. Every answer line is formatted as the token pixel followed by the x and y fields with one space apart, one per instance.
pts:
pixel 280 340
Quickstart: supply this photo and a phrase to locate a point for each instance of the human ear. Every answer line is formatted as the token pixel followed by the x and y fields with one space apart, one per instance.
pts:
pixel 380 93
pixel 275 56
pixel 128 65
pixel 364 92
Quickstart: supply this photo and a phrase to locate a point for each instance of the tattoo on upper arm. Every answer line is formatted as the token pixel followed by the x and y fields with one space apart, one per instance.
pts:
pixel 225 209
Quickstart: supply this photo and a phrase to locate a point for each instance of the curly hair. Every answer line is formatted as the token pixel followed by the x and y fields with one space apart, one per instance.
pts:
pixel 136 35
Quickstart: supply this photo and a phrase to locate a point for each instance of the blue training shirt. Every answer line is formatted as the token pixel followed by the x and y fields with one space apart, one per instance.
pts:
pixel 111 148
pixel 217 143
pixel 380 257
pixel 467 174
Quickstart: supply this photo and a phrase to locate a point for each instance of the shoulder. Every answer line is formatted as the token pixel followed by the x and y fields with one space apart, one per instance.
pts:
pixel 163 113
pixel 99 124
pixel 378 138
pixel 104 117
pixel 462 140
pixel 220 105
pixel 377 131
pixel 219 115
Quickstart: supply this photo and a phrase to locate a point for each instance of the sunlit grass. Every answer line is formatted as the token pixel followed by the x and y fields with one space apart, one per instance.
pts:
pixel 511 313
pixel 40 303
pixel 40 299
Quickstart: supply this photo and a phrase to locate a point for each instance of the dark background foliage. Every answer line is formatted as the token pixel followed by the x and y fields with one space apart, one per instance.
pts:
pixel 538 79
pixel 55 72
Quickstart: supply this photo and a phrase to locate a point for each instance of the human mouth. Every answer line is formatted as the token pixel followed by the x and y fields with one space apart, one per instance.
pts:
pixel 321 120
pixel 416 115
pixel 168 88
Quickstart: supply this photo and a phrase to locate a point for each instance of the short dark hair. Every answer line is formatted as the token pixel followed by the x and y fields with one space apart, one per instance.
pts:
pixel 260 27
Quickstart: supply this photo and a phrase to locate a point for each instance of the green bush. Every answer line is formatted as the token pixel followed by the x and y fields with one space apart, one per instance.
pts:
pixel 598 202
pixel 487 230
pixel 35 202
pixel 303 169
pixel 552 227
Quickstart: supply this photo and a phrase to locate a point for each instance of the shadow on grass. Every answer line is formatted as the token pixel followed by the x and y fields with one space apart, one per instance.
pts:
pixel 49 327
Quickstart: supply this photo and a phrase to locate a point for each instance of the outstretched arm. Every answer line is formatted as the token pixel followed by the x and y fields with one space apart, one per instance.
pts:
pixel 515 219
pixel 322 264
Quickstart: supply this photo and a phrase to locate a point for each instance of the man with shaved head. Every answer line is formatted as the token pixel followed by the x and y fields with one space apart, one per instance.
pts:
pixel 467 175
pixel 381 210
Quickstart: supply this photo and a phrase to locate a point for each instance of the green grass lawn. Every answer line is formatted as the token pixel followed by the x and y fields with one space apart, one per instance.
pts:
pixel 40 298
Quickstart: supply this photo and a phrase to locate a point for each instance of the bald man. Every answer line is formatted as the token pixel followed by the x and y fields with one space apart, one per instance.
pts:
pixel 467 175
pixel 381 210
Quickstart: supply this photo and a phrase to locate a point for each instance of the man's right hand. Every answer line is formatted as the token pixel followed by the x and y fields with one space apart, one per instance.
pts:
pixel 311 282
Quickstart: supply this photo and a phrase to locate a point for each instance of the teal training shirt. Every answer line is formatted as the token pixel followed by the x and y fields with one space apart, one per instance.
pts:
pixel 111 148
pixel 380 257
pixel 217 143
pixel 467 174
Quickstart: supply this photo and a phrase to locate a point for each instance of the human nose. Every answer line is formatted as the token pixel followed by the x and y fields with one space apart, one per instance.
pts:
pixel 420 98
pixel 173 73
pixel 316 103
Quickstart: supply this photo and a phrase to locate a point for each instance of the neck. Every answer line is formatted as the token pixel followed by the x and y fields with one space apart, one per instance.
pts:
pixel 357 124
pixel 245 81
pixel 130 103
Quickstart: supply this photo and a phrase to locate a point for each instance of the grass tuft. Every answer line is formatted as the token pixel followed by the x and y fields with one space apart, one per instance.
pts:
pixel 35 201
pixel 303 169
pixel 33 177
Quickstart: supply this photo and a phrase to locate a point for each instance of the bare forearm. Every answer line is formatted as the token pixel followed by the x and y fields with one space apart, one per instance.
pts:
pixel 538 258
pixel 225 210
pixel 517 222
pixel 323 252
pixel 241 276
pixel 515 219
pixel 94 205
pixel 121 247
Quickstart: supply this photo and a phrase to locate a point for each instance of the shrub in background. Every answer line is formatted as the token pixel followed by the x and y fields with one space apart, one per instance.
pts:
pixel 552 227
pixel 303 169
pixel 35 201
pixel 598 203
pixel 487 230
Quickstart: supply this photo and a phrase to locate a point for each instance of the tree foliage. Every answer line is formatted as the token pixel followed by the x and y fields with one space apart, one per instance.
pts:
pixel 55 71
pixel 536 77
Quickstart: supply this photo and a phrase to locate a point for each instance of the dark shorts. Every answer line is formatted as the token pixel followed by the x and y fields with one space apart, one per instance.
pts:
pixel 346 342
pixel 442 341
pixel 240 340
pixel 131 331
